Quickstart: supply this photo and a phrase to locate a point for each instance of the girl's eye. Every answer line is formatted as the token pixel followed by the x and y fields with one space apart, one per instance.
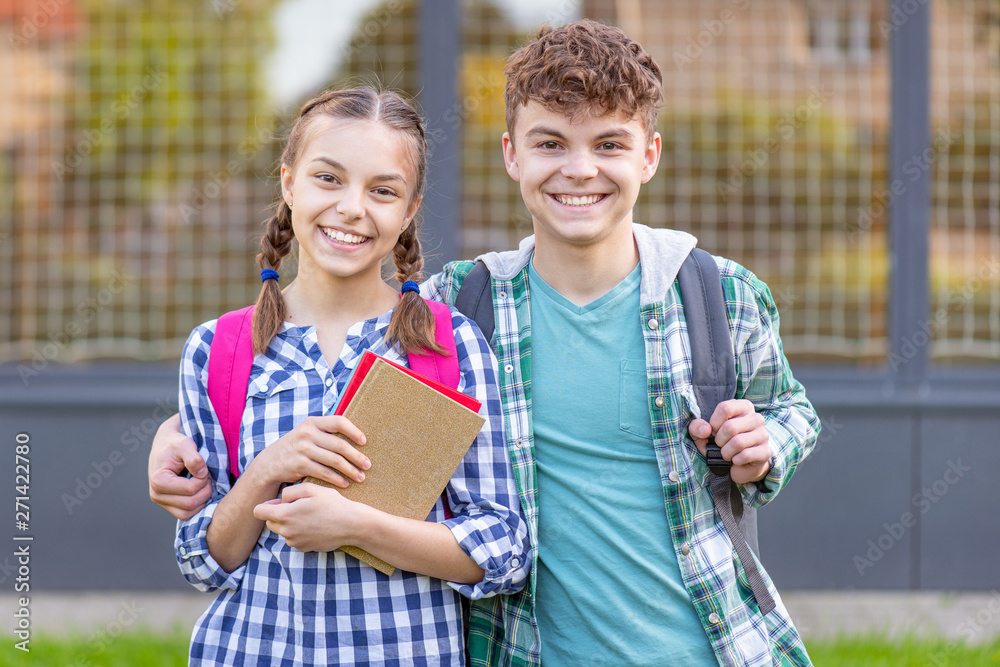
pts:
pixel 384 192
pixel 327 178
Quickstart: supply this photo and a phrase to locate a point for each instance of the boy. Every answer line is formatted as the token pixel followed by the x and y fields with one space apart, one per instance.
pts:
pixel 632 565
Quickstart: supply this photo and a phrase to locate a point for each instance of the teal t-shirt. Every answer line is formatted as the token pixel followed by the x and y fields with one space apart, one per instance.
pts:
pixel 609 588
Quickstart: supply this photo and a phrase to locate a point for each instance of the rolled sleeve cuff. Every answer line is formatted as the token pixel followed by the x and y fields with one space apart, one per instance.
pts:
pixel 760 493
pixel 488 542
pixel 196 563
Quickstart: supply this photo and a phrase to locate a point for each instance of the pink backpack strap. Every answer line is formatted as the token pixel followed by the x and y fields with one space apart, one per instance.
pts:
pixel 443 368
pixel 229 362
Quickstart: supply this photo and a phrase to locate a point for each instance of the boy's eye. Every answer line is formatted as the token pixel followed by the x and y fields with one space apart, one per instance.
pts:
pixel 549 145
pixel 609 146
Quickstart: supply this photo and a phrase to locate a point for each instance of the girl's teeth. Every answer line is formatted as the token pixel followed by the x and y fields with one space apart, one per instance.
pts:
pixel 343 238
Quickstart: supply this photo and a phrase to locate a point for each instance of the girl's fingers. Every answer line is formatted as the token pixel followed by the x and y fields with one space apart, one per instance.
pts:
pixel 345 457
pixel 268 510
pixel 329 474
pixel 342 425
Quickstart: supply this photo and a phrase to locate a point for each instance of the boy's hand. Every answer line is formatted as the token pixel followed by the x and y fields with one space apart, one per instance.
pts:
pixel 314 448
pixel 740 433
pixel 171 453
pixel 312 517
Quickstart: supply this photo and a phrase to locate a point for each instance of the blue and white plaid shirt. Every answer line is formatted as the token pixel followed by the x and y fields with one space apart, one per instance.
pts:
pixel 286 607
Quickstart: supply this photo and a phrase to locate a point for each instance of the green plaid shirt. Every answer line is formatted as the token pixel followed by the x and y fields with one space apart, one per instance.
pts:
pixel 502 629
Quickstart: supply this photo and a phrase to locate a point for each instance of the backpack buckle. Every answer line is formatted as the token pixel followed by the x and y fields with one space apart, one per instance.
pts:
pixel 716 463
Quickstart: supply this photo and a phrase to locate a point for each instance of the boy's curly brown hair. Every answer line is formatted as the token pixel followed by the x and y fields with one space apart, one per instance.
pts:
pixel 584 67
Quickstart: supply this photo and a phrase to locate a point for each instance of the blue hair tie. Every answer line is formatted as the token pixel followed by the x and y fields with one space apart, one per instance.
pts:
pixel 267 274
pixel 409 286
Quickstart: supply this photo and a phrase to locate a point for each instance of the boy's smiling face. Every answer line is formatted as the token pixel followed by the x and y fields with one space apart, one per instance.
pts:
pixel 579 177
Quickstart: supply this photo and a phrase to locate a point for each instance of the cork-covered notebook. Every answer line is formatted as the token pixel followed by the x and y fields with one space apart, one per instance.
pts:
pixel 417 432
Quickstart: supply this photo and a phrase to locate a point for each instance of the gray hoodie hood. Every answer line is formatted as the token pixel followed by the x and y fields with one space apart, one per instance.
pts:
pixel 661 253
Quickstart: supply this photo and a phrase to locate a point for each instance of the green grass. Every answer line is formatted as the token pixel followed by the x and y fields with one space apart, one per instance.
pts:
pixel 909 652
pixel 131 649
pixel 143 649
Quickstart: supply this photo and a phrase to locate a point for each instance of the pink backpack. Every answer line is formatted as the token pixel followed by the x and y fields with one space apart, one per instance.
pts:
pixel 231 358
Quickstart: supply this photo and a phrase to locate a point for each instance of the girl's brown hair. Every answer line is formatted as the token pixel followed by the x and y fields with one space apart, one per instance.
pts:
pixel 412 324
pixel 584 67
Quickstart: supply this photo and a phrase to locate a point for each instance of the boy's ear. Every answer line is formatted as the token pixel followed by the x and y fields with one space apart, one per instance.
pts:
pixel 510 157
pixel 652 157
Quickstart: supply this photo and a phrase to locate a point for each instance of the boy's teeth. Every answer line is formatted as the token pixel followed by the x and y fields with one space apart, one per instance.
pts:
pixel 586 200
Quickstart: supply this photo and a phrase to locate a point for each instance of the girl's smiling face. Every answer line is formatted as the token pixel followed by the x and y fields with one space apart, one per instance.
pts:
pixel 351 193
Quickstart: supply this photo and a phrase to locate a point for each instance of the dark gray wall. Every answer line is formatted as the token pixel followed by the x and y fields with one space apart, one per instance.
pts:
pixel 839 524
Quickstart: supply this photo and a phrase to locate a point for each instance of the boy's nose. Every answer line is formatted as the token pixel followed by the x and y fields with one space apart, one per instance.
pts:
pixel 579 166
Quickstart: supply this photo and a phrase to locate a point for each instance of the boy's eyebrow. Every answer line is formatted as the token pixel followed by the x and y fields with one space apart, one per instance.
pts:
pixel 380 177
pixel 615 133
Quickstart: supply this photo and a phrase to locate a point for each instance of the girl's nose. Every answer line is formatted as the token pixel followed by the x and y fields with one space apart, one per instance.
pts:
pixel 352 204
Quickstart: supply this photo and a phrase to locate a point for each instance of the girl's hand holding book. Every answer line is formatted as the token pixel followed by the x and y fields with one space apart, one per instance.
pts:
pixel 318 447
pixel 313 518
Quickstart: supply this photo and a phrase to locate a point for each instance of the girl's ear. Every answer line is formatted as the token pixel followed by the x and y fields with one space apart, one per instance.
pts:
pixel 411 211
pixel 286 184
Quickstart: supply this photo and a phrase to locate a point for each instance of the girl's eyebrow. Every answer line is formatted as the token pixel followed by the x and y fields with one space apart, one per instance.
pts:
pixel 380 178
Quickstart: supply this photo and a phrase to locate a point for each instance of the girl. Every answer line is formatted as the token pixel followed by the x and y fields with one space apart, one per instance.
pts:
pixel 352 176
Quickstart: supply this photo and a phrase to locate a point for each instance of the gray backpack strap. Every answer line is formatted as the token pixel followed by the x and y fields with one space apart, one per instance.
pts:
pixel 713 377
pixel 475 298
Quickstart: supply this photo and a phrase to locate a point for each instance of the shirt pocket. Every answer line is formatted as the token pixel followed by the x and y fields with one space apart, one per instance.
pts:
pixel 633 408
pixel 271 384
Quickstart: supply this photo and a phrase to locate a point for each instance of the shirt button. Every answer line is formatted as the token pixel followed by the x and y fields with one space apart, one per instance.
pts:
pixel 184 552
pixel 686 549
pixel 652 323
pixel 520 442
pixel 508 369
pixel 515 562
pixel 659 402
pixel 674 477
pixel 329 382
pixel 503 295
pixel 713 618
